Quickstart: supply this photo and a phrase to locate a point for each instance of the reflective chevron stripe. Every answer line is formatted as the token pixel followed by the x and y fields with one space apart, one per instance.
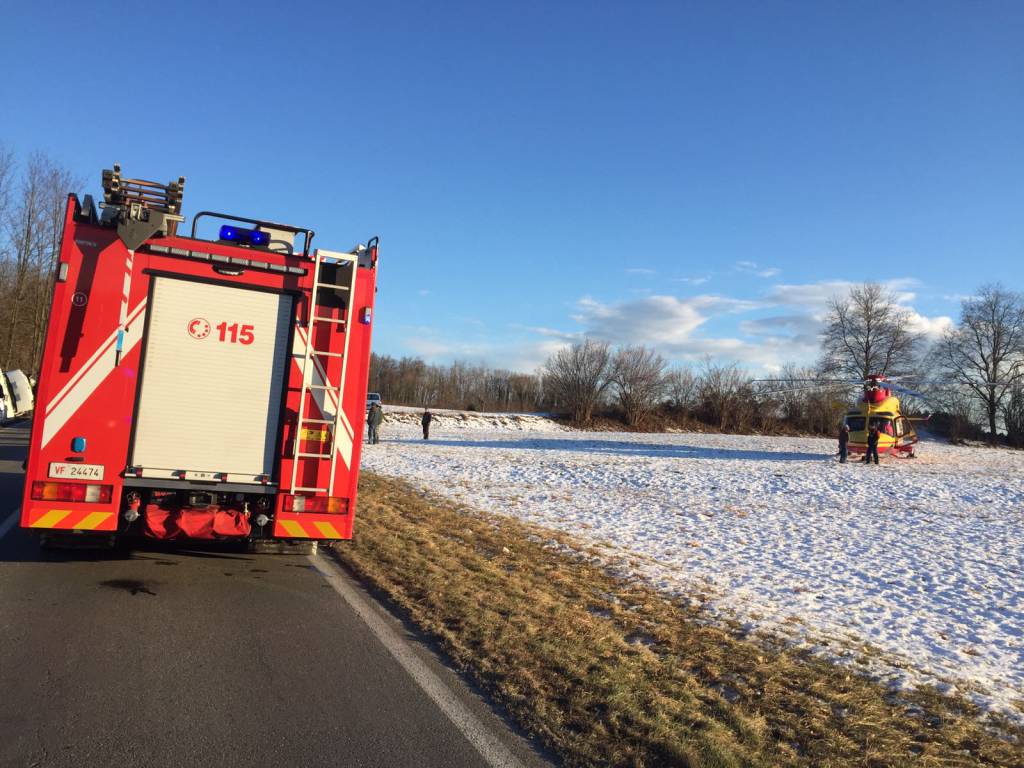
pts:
pixel 72 520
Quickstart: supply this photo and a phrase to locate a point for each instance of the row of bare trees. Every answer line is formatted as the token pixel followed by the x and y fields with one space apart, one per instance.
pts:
pixel 32 199
pixel 635 383
pixel 411 381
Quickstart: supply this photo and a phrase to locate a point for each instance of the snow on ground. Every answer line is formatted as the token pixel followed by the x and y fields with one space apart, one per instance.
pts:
pixel 916 564
pixel 462 420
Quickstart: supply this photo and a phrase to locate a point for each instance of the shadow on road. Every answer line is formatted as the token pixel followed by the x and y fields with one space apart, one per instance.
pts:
pixel 627 448
pixel 21 546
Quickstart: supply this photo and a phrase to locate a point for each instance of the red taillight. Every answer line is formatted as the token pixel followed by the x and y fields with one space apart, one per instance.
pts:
pixel 331 505
pixel 99 494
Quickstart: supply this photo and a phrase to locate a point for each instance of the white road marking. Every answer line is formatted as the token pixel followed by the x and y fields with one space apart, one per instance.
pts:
pixel 10 522
pixel 490 749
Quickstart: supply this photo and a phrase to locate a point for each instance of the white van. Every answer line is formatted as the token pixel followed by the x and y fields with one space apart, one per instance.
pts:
pixel 16 398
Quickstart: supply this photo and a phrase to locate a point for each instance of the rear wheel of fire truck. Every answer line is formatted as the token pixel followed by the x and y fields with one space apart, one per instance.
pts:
pixel 65 540
pixel 283 546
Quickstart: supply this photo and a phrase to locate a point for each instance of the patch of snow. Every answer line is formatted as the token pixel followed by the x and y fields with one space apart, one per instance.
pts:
pixel 450 421
pixel 915 565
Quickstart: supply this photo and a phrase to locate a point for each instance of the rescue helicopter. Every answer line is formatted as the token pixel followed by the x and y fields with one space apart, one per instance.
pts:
pixel 878 406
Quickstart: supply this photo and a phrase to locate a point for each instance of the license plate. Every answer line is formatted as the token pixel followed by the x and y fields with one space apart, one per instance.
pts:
pixel 196 475
pixel 59 469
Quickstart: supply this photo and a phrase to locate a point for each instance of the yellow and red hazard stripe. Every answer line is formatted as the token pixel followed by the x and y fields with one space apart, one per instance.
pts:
pixel 71 520
pixel 313 526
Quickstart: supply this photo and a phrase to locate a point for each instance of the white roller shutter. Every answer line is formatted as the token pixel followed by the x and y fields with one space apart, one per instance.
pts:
pixel 211 387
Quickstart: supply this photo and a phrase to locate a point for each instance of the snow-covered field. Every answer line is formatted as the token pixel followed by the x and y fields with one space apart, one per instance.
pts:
pixel 917 565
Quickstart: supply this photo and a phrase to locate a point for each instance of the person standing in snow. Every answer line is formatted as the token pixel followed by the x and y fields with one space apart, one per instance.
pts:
pixel 844 439
pixel 872 446
pixel 373 421
pixel 425 421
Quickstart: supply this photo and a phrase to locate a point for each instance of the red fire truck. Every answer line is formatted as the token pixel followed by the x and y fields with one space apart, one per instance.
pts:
pixel 197 388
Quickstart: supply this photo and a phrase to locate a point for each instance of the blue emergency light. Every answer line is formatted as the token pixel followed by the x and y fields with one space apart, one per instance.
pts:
pixel 243 236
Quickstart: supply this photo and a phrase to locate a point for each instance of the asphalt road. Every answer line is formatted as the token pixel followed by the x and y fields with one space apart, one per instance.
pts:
pixel 182 657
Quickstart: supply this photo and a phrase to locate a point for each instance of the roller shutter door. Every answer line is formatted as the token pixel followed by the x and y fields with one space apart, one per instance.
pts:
pixel 215 364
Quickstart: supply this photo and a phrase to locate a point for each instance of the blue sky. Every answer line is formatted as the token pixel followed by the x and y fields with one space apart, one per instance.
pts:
pixel 695 176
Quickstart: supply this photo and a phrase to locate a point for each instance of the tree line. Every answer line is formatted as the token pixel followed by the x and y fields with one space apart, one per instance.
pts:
pixel 32 200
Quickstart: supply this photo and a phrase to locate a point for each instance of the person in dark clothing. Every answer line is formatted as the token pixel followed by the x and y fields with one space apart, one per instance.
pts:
pixel 844 439
pixel 425 421
pixel 373 421
pixel 872 446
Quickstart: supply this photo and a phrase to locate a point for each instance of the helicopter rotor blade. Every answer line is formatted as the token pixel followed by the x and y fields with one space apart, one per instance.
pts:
pixel 804 388
pixel 905 391
pixel 808 380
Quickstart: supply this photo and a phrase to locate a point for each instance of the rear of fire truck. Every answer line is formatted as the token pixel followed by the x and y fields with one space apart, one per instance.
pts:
pixel 198 388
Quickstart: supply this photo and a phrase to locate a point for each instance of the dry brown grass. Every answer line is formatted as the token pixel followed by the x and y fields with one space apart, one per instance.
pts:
pixel 607 672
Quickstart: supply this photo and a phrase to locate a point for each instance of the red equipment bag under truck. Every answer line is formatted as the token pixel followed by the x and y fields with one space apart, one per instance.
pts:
pixel 198 388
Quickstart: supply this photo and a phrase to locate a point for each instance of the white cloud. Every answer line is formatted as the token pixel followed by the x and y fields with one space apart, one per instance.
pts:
pixel 816 296
pixel 658 320
pixel 527 357
pixel 554 333
pixel 423 292
pixel 958 298
pixel 671 324
pixel 931 327
pixel 692 280
pixel 428 348
pixel 799 326
pixel 751 267
pixel 640 271
pixel 520 354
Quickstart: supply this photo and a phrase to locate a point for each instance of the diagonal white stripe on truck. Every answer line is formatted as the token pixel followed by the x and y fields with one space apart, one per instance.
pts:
pixel 91 375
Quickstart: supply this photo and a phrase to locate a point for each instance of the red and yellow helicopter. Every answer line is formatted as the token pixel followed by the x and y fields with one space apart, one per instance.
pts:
pixel 878 407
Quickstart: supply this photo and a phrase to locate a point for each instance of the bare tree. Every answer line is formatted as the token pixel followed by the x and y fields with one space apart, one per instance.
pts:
pixel 802 404
pixel 577 377
pixel 25 222
pixel 638 374
pixel 867 333
pixel 1013 416
pixel 6 180
pixel 726 398
pixel 681 389
pixel 32 217
pixel 985 353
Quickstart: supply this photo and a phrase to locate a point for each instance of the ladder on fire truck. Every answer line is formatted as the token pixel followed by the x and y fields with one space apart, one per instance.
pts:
pixel 330 396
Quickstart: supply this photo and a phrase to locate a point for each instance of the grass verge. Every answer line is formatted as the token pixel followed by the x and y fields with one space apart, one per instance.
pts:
pixel 609 672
